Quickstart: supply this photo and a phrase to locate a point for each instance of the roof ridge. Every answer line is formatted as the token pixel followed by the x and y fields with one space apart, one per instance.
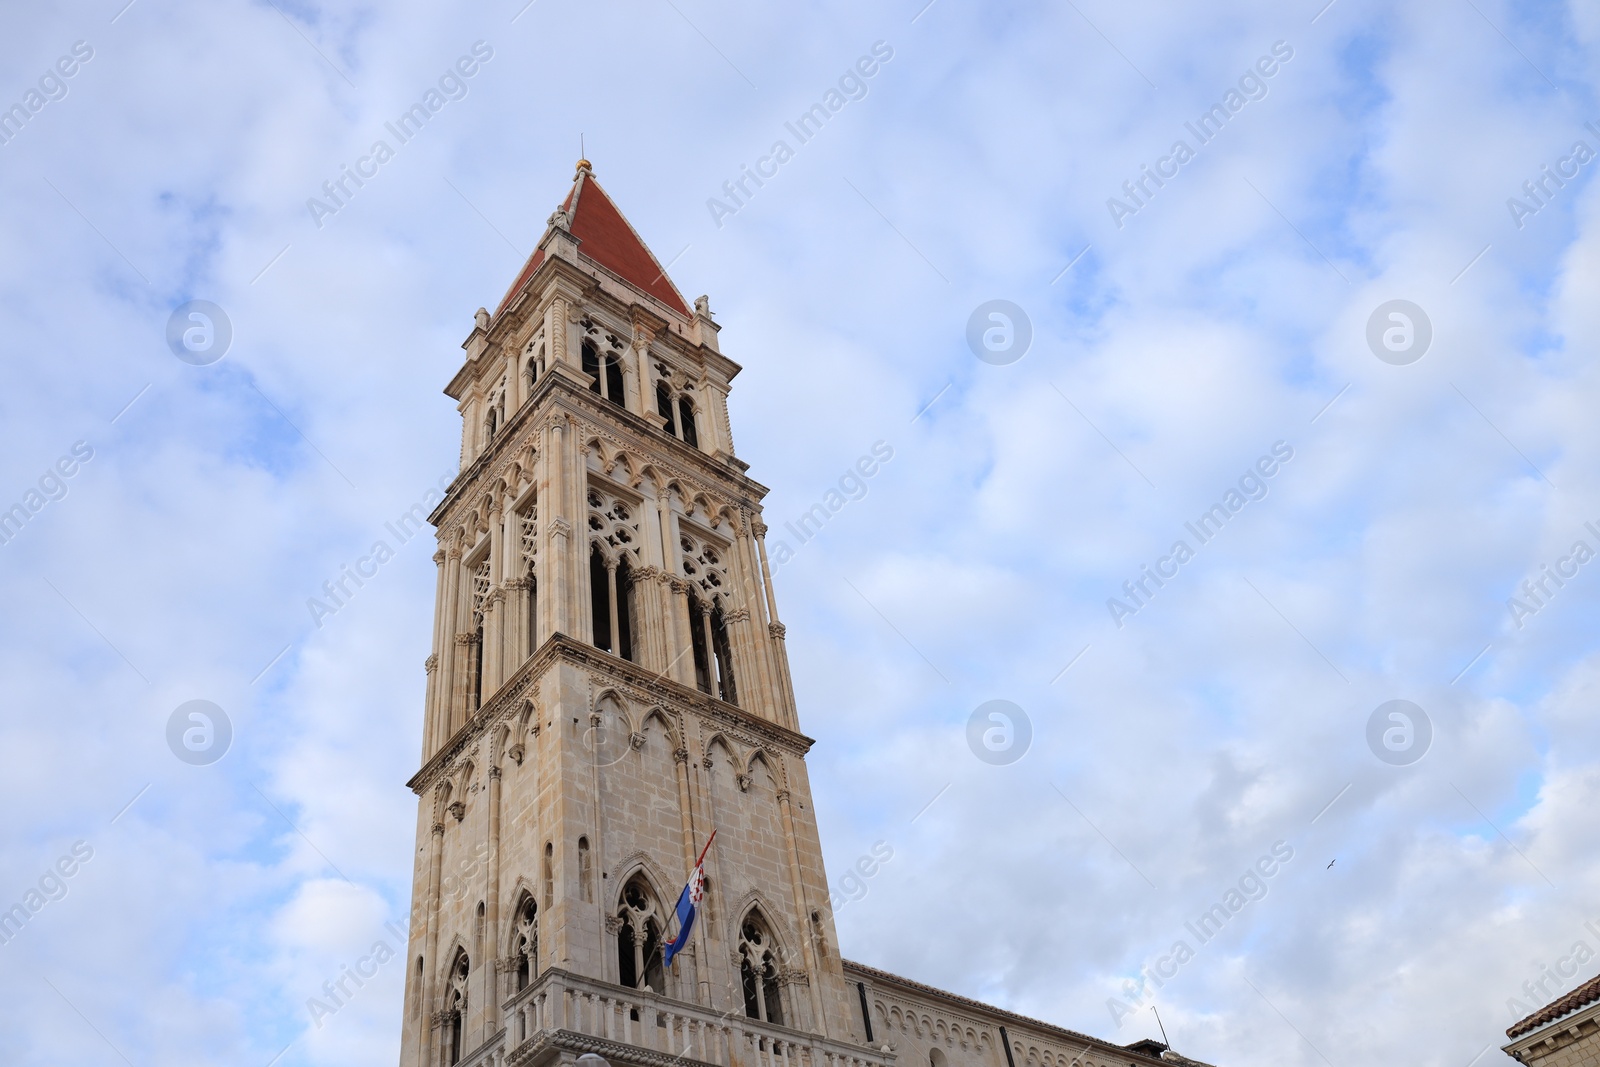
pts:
pixel 1052 1027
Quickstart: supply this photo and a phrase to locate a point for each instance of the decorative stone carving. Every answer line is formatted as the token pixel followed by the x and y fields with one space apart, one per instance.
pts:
pixel 636 740
pixel 561 528
pixel 681 755
pixel 457 809
pixel 515 752
pixel 777 629
pixel 431 664
pixel 744 783
pixel 613 925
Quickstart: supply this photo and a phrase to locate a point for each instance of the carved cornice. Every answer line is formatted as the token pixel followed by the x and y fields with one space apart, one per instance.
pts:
pixel 645 686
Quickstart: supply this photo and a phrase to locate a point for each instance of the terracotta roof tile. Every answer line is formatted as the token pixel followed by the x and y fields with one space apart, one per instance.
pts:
pixel 605 237
pixel 1582 997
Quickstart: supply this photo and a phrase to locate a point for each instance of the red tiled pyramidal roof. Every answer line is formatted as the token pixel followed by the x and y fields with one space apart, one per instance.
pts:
pixel 1583 996
pixel 605 237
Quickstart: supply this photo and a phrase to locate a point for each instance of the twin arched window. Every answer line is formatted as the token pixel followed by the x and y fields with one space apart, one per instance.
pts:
pixel 676 418
pixel 613 549
pixel 639 938
pixel 605 374
pixel 525 941
pixel 759 970
pixel 455 1005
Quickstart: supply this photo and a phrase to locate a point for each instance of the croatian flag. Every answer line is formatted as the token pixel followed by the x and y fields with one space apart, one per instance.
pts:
pixel 689 902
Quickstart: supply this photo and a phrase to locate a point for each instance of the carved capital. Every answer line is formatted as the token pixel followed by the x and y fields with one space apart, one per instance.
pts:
pixel 561 527
pixel 431 664
pixel 706 762
pixel 613 925
pixel 783 796
pixel 681 755
pixel 439 556
pixel 494 774
pixel 777 629
pixel 594 719
pixel 739 616
pixel 517 584
pixel 438 829
pixel 759 527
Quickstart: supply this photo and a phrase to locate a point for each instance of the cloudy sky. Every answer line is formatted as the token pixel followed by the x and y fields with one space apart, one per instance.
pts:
pixel 1178 335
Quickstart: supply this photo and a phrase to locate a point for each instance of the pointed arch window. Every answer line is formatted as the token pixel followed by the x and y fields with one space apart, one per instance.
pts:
pixel 664 408
pixel 605 374
pixel 591 365
pixel 639 938
pixel 704 566
pixel 455 1006
pixel 759 970
pixel 480 600
pixel 528 545
pixel 686 421
pixel 525 942
pixel 613 551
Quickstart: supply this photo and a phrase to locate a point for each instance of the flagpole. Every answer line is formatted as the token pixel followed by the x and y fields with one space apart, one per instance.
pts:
pixel 703 851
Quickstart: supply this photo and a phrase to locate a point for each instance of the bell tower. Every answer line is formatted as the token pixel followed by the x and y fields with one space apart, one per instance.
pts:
pixel 608 685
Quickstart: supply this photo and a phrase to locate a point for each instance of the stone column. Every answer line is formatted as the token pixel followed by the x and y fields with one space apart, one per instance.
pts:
pixel 430 966
pixel 492 899
pixel 431 702
pixel 452 680
pixel 753 630
pixel 559 534
pixel 775 632
pixel 493 605
pixel 802 914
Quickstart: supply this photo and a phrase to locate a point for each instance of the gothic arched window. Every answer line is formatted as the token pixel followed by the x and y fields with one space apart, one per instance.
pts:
pixel 455 1004
pixel 525 941
pixel 639 938
pixel 759 970
pixel 480 599
pixel 686 418
pixel 937 1058
pixel 664 408
pixel 528 543
pixel 697 641
pixel 591 366
pixel 600 598
pixel 613 550
pixel 724 653
pixel 614 380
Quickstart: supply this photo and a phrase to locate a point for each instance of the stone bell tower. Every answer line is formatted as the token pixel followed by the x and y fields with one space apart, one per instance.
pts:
pixel 609 685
